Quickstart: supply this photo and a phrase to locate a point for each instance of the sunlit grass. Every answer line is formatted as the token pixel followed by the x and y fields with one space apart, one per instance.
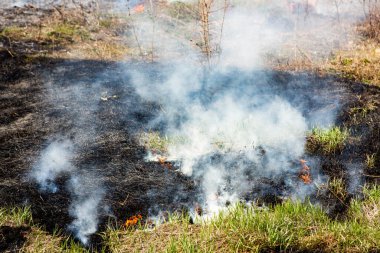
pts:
pixel 359 64
pixel 291 226
pixel 37 239
pixel 327 141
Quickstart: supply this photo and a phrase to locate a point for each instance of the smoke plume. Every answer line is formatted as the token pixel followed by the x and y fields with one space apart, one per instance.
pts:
pixel 235 131
pixel 53 161
pixel 87 197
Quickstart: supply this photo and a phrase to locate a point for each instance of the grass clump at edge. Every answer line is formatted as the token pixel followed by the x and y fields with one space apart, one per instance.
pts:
pixel 36 238
pixel 326 141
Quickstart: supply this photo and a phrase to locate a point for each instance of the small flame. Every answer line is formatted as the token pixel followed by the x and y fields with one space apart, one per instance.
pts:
pixel 161 159
pixel 164 162
pixel 133 220
pixel 139 8
pixel 304 173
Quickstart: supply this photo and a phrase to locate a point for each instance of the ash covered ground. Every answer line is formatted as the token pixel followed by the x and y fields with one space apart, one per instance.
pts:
pixel 94 111
pixel 108 154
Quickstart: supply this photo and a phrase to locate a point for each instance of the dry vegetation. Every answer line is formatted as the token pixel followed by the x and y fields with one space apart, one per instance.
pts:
pixel 361 64
pixel 18 233
pixel 67 33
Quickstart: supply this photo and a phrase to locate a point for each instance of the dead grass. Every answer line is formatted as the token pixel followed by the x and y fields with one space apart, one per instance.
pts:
pixel 36 238
pixel 70 37
pixel 370 27
pixel 359 64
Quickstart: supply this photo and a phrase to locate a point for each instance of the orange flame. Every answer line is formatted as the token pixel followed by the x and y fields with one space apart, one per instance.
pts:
pixel 163 161
pixel 139 8
pixel 133 220
pixel 304 173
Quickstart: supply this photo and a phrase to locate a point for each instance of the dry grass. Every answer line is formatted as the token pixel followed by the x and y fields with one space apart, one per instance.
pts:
pixel 359 64
pixel 69 38
pixel 370 27
pixel 36 238
pixel 291 226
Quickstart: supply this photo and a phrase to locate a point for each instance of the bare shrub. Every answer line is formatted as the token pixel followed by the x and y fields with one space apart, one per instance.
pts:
pixel 370 27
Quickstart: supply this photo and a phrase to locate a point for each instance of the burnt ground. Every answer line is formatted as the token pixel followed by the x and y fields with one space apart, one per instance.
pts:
pixel 46 99
pixel 31 119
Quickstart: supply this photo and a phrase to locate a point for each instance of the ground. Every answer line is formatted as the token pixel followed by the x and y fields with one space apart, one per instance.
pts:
pixel 39 63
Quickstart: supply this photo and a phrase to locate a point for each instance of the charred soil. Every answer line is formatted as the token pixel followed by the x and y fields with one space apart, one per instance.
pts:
pixel 33 112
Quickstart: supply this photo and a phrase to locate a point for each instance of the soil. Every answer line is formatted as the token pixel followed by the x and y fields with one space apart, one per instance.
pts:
pixel 12 238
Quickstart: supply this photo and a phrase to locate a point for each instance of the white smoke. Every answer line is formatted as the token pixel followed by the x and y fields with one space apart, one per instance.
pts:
pixel 231 134
pixel 53 161
pixel 236 128
pixel 87 196
pixel 243 123
pixel 86 193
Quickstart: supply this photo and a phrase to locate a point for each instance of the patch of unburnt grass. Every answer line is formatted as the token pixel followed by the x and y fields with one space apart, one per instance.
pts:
pixel 290 226
pixel 326 141
pixel 362 63
pixel 66 36
pixel 156 142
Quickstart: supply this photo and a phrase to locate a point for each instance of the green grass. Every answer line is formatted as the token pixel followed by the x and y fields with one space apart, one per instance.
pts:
pixel 336 188
pixel 291 226
pixel 156 142
pixel 68 32
pixel 16 216
pixel 59 33
pixel 326 141
pixel 13 32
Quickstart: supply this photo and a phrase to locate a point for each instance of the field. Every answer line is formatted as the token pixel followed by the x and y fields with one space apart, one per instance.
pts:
pixel 225 126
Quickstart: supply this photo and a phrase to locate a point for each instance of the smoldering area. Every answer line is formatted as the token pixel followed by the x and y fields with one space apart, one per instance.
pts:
pixel 76 124
pixel 94 106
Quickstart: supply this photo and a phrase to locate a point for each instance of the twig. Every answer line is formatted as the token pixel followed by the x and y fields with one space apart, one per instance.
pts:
pixel 341 201
pixel 374 176
pixel 222 27
pixel 134 30
pixel 10 53
pixel 304 54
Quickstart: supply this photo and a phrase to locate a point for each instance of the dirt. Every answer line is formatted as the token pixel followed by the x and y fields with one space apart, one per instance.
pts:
pixel 12 238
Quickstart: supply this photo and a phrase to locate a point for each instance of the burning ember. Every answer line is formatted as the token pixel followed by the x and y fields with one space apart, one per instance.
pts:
pixel 163 161
pixel 304 173
pixel 133 220
pixel 139 8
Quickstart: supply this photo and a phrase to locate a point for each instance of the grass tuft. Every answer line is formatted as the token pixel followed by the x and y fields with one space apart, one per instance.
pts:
pixel 361 63
pixel 16 216
pixel 326 141
pixel 155 142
